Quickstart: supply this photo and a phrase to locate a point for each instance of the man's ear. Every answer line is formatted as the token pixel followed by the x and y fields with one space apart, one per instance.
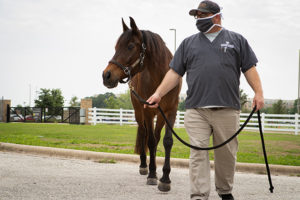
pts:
pixel 217 19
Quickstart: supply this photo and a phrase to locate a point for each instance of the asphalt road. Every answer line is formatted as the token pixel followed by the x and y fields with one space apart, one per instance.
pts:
pixel 24 176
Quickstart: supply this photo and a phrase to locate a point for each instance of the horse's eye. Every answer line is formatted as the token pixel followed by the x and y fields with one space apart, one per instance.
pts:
pixel 130 46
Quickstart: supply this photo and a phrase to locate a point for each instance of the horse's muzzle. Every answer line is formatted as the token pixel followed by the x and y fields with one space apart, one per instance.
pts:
pixel 108 81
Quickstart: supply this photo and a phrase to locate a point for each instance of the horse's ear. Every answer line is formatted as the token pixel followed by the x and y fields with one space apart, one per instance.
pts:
pixel 134 27
pixel 125 27
pixel 132 23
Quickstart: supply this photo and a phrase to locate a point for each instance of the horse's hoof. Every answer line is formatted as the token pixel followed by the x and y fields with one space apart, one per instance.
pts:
pixel 164 187
pixel 143 170
pixel 151 181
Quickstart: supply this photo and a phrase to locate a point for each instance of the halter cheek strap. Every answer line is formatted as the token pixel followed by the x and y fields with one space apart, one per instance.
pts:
pixel 127 70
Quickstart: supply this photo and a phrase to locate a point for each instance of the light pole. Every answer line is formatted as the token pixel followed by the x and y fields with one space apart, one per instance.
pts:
pixel 173 29
pixel 298 104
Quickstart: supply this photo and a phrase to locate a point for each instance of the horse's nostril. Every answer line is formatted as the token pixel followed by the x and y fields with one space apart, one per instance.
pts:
pixel 107 75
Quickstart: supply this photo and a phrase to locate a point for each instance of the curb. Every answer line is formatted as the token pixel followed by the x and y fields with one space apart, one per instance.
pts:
pixel 175 162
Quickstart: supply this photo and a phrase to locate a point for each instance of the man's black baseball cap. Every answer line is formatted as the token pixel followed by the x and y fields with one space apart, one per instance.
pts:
pixel 206 7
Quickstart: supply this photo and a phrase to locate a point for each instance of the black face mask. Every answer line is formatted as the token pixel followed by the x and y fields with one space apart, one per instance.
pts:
pixel 204 25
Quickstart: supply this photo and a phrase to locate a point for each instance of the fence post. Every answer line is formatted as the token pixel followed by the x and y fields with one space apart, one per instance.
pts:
pixel 94 116
pixel 121 116
pixel 8 114
pixel 62 114
pixel 296 123
pixel 263 115
pixel 24 120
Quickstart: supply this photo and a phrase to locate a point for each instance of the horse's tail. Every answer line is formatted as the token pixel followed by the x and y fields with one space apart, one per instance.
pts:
pixel 141 143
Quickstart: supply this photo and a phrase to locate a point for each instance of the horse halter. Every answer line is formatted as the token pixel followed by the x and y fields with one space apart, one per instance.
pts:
pixel 127 69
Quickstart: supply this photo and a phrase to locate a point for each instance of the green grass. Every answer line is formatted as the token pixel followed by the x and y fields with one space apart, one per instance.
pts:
pixel 282 149
pixel 112 161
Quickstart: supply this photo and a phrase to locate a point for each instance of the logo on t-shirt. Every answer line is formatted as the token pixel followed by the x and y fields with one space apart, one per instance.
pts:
pixel 226 45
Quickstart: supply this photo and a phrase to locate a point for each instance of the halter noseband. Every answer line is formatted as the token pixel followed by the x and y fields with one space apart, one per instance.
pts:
pixel 127 69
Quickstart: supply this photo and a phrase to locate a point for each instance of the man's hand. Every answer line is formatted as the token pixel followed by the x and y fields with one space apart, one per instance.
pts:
pixel 258 101
pixel 170 80
pixel 155 98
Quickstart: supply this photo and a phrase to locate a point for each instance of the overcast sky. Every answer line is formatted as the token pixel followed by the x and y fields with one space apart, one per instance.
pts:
pixel 67 44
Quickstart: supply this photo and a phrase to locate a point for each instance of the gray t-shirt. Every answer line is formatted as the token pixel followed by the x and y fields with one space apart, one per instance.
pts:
pixel 212 36
pixel 213 68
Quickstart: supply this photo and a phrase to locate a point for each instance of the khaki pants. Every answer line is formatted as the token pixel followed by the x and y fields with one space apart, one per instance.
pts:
pixel 200 124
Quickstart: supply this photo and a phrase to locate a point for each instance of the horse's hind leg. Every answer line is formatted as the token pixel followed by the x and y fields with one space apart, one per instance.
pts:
pixel 165 182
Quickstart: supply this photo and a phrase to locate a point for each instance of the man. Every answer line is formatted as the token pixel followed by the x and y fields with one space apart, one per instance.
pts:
pixel 213 60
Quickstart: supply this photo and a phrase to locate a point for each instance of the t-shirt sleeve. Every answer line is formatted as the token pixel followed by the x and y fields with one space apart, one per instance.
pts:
pixel 178 63
pixel 248 57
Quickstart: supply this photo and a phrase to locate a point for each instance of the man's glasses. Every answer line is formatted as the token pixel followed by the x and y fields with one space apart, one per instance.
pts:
pixel 202 15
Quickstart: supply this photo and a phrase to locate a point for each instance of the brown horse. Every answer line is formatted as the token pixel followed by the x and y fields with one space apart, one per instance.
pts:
pixel 142 58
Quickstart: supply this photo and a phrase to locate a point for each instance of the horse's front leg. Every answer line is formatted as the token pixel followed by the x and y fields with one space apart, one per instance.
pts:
pixel 140 147
pixel 165 182
pixel 152 146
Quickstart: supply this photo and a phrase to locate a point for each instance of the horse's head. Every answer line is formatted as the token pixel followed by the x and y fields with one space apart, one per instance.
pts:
pixel 129 53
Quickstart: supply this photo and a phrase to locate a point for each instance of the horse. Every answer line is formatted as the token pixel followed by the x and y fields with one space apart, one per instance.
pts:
pixel 142 58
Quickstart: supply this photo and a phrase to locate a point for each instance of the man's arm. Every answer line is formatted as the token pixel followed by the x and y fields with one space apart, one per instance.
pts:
pixel 254 81
pixel 170 80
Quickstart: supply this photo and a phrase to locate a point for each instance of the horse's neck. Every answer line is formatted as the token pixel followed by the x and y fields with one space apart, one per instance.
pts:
pixel 147 81
pixel 153 73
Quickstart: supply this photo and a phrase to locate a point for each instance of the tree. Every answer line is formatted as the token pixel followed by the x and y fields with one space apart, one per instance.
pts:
pixel 112 102
pixel 19 106
pixel 243 101
pixel 99 100
pixel 243 97
pixel 44 99
pixel 109 100
pixel 279 107
pixel 267 110
pixel 181 105
pixel 74 102
pixel 50 99
pixel 295 108
pixel 57 98
pixel 124 100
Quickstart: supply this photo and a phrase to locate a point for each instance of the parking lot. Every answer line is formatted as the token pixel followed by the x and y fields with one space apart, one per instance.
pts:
pixel 24 176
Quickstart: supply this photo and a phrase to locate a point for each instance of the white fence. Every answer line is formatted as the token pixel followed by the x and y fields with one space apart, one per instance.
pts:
pixel 270 122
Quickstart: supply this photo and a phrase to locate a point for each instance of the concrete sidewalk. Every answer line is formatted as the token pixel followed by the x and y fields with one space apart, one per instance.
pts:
pixel 35 177
pixel 175 162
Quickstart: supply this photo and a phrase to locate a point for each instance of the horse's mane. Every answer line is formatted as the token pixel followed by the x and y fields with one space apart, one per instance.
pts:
pixel 153 41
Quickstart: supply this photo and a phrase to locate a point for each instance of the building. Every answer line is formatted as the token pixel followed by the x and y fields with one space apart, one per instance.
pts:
pixel 3 109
